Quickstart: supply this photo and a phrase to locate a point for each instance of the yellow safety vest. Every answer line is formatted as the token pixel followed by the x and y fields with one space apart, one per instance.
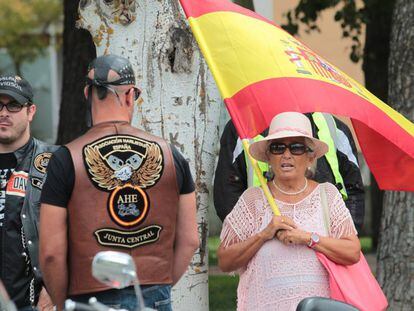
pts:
pixel 327 133
pixel 252 179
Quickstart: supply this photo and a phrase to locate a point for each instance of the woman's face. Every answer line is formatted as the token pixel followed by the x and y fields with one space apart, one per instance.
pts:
pixel 289 163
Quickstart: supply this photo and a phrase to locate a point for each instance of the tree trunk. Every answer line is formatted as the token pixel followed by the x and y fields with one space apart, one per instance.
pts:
pixel 248 4
pixel 375 66
pixel 396 245
pixel 78 51
pixel 180 101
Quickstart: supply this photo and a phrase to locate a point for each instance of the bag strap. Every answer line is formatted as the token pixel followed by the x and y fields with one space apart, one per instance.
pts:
pixel 325 208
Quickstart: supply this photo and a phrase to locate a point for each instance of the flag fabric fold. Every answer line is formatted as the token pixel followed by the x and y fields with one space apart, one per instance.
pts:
pixel 261 70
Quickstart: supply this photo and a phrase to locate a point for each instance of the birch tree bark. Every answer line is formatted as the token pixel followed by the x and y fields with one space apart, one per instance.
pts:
pixel 180 100
pixel 396 246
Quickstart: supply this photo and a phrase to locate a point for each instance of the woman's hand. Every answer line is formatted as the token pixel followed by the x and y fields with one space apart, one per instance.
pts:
pixel 238 255
pixel 294 237
pixel 345 251
pixel 276 224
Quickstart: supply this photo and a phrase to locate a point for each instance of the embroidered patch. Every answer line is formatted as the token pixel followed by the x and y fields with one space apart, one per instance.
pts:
pixel 124 165
pixel 114 161
pixel 17 184
pixel 41 161
pixel 128 239
pixel 37 182
pixel 128 205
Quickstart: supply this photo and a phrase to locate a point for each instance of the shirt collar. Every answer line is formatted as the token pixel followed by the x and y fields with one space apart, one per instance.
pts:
pixel 22 151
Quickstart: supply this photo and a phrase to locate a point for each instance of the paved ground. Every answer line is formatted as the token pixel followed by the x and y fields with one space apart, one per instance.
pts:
pixel 371 259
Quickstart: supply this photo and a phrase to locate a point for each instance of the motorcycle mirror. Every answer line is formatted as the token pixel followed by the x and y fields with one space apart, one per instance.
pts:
pixel 114 269
pixel 5 302
pixel 323 304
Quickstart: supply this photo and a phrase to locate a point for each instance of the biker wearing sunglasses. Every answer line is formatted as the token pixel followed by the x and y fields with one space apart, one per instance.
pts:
pixel 23 163
pixel 13 106
pixel 156 206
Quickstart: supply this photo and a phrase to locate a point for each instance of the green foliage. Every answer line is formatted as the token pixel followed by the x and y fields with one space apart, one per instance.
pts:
pixel 366 244
pixel 24 25
pixel 213 244
pixel 350 16
pixel 222 291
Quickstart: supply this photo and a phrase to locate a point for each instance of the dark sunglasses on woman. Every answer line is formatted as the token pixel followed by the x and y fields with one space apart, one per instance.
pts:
pixel 294 148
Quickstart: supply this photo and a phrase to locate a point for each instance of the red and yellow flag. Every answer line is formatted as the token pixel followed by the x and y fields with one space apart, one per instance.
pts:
pixel 261 70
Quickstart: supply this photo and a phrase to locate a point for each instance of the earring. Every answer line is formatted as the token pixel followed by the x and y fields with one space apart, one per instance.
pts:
pixel 269 174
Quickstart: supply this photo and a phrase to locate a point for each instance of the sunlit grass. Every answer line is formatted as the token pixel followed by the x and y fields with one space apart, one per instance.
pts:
pixel 223 292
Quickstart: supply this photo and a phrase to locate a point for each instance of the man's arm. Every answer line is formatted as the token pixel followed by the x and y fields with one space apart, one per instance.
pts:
pixel 186 236
pixel 53 252
pixel 230 179
pixel 351 174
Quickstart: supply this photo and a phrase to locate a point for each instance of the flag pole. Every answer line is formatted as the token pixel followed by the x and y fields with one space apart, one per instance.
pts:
pixel 262 180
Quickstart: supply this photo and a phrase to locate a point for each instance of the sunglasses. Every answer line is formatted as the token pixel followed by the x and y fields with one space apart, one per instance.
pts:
pixel 294 148
pixel 13 106
pixel 137 92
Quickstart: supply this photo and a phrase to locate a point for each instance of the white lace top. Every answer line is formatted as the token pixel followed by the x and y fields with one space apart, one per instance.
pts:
pixel 278 277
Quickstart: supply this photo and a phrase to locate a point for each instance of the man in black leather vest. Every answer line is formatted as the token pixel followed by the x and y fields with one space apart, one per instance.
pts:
pixel 23 162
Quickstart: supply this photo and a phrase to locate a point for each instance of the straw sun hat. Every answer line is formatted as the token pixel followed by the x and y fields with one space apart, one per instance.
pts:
pixel 288 124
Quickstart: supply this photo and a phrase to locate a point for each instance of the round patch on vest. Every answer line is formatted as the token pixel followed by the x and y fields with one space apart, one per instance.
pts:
pixel 41 161
pixel 117 160
pixel 128 205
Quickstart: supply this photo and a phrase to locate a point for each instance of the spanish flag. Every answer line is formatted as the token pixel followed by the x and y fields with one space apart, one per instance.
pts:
pixel 261 70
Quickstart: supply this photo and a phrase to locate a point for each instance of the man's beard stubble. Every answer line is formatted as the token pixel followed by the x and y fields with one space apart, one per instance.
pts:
pixel 15 131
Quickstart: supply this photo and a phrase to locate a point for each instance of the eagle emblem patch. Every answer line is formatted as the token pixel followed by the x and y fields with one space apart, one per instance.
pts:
pixel 114 161
pixel 125 166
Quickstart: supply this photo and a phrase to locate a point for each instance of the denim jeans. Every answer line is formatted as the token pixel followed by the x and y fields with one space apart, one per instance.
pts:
pixel 157 297
pixel 27 308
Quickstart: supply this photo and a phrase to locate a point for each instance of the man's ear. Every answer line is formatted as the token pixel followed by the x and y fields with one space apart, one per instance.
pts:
pixel 31 111
pixel 86 91
pixel 130 97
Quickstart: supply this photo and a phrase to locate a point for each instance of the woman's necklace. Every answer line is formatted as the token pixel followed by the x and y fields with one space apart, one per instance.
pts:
pixel 291 193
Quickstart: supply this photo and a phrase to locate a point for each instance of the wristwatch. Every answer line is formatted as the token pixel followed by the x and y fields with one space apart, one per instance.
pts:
pixel 314 239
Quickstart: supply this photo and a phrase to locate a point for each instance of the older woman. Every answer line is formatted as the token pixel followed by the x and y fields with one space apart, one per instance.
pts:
pixel 275 255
